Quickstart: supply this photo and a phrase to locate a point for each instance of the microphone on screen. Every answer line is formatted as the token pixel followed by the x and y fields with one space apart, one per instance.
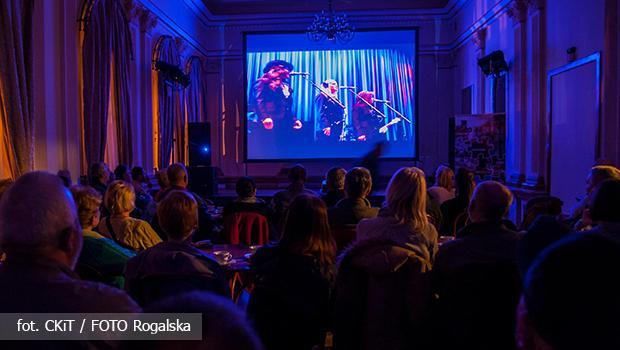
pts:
pixel 298 73
pixel 381 101
pixel 348 87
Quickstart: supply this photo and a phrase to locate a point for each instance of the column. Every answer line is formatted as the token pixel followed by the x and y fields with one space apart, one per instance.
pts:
pixel 479 39
pixel 148 21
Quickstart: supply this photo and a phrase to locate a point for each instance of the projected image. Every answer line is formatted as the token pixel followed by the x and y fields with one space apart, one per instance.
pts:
pixel 310 100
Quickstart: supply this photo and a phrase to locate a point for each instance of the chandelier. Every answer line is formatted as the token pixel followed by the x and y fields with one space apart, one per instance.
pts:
pixel 331 26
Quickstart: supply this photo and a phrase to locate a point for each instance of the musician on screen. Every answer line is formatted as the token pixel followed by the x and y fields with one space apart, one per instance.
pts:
pixel 331 111
pixel 366 122
pixel 271 99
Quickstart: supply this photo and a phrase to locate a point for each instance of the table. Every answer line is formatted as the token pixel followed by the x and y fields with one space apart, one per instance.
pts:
pixel 237 269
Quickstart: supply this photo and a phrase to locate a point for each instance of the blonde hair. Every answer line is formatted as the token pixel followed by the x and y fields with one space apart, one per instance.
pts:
pixel 444 177
pixel 178 214
pixel 88 201
pixel 120 197
pixel 406 197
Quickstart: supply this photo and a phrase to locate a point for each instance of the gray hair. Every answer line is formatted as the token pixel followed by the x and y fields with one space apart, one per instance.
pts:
pixel 35 211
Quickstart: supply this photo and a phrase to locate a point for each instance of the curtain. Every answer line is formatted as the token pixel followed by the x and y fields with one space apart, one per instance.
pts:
pixel 16 41
pixel 387 72
pixel 169 102
pixel 196 92
pixel 107 34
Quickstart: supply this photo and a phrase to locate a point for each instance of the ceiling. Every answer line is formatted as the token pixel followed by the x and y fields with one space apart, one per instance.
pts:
pixel 238 7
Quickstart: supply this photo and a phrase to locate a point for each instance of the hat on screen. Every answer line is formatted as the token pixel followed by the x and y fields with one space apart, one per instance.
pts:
pixel 275 63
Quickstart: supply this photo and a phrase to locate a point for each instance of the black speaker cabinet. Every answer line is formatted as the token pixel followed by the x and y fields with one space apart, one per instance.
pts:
pixel 199 135
pixel 203 180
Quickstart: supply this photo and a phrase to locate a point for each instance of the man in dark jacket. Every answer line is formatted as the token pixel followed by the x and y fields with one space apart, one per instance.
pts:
pixel 355 207
pixel 476 277
pixel 334 181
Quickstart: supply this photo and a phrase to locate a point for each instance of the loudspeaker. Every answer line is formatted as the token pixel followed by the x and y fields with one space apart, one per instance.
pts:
pixel 202 180
pixel 199 135
pixel 493 63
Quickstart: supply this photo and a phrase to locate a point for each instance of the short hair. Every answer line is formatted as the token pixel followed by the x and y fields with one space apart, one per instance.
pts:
pixel 178 214
pixel 357 182
pixel 176 173
pixel 600 173
pixel 297 173
pixel 543 232
pixel 606 202
pixel 120 197
pixel 572 293
pixel 335 177
pixel 120 171
pixel 224 325
pixel 406 197
pixel 88 202
pixel 35 211
pixel 245 187
pixel 137 172
pixel 65 176
pixel 492 200
pixel 97 170
pixel 443 177
pixel 162 178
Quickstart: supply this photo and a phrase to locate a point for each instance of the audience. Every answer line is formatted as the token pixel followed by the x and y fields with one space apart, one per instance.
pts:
pixel 99 177
pixel 174 266
pixel 476 278
pixel 248 213
pixel 282 199
pixel 542 205
pixel 162 182
pixel 131 233
pixel 598 174
pixel 354 207
pixel 403 219
pixel 290 301
pixel 443 189
pixel 383 293
pixel 101 258
pixel 65 176
pixel 224 326
pixel 144 201
pixel 334 181
pixel 543 232
pixel 571 296
pixel 121 172
pixel 41 236
pixel 604 211
pixel 454 211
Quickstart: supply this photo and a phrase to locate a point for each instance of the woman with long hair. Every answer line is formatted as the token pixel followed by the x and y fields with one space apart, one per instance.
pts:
pixel 454 210
pixel 443 189
pixel 290 302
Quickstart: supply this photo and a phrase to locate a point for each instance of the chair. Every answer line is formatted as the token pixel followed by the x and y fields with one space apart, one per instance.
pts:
pixel 249 228
pixel 344 235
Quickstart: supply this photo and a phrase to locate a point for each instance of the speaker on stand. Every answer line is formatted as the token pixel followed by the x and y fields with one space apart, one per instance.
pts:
pixel 202 176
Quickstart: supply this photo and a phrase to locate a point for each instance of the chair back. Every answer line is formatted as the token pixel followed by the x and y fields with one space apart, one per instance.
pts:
pixel 249 228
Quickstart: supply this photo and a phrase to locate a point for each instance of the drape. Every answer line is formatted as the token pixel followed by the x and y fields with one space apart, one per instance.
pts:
pixel 107 34
pixel 196 91
pixel 387 72
pixel 16 90
pixel 169 101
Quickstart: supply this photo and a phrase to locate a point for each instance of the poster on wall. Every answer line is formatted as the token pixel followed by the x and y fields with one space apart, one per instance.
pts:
pixel 478 143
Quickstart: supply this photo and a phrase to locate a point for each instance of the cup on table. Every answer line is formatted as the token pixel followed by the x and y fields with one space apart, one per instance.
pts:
pixel 222 256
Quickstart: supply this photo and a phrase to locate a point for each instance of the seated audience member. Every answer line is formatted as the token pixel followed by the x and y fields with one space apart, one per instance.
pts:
pixel 179 181
pixel 40 233
pixel 334 180
pixel 121 172
pixel 543 232
pixel 224 325
pixel 404 219
pixel 476 278
pixel 443 189
pixel 144 201
pixel 131 233
pixel 100 256
pixel 290 302
pixel 354 207
pixel 542 205
pixel 383 294
pixel 99 177
pixel 247 213
pixel 596 175
pixel 174 266
pixel 162 182
pixel 65 176
pixel 282 199
pixel 571 297
pixel 454 211
pixel 604 210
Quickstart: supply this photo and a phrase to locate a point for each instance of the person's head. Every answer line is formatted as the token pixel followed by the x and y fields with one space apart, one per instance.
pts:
pixel 444 177
pixel 38 217
pixel 224 325
pixel 405 197
pixel 138 174
pixel 120 198
pixel 571 296
pixel 367 96
pixel 605 206
pixel 246 187
pixel 544 231
pixel 177 175
pixel 297 174
pixel 542 205
pixel 100 172
pixel 122 173
pixel 65 176
pixel 358 183
pixel 178 215
pixel 88 202
pixel 335 178
pixel 162 178
pixel 306 231
pixel 599 174
pixel 331 86
pixel 490 202
pixel 465 183
pixel 4 186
